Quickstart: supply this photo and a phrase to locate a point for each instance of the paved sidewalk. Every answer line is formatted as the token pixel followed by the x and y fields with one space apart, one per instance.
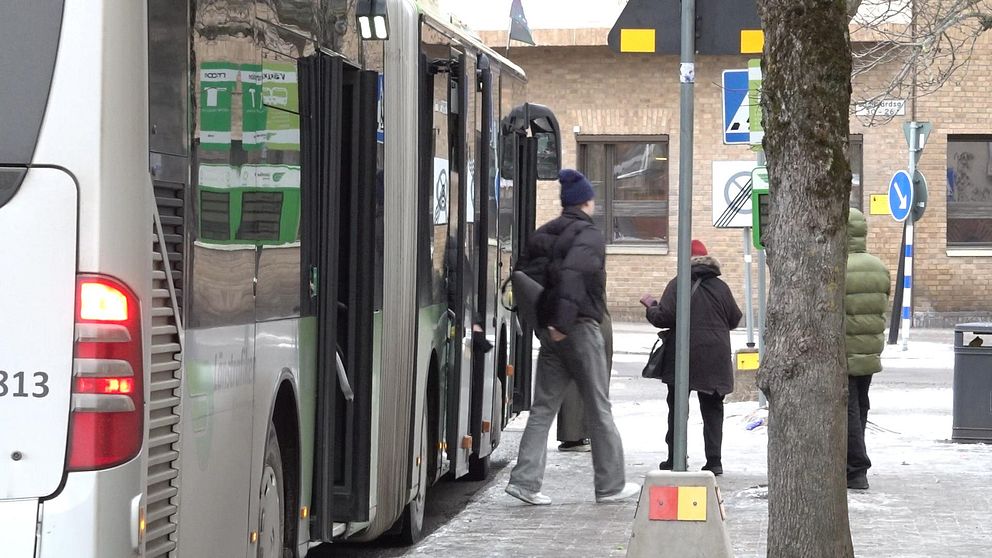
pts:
pixel 928 497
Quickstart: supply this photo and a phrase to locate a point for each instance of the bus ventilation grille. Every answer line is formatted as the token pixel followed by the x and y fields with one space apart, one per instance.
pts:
pixel 162 490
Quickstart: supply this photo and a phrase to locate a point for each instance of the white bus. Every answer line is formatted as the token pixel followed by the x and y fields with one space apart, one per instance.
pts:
pixel 249 266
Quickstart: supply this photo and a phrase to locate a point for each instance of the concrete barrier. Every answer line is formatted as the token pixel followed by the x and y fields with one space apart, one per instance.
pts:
pixel 680 515
pixel 745 376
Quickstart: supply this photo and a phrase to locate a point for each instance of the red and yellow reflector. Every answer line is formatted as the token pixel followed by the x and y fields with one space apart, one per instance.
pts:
pixel 677 503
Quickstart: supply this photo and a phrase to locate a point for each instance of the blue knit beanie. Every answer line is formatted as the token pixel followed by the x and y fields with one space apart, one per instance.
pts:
pixel 575 188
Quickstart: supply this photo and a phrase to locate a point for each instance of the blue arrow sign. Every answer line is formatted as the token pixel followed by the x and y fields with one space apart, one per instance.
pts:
pixel 900 196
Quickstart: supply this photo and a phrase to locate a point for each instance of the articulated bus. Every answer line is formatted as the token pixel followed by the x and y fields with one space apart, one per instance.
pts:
pixel 250 265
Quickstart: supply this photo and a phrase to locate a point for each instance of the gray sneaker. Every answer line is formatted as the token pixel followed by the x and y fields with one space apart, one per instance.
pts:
pixel 532 498
pixel 628 490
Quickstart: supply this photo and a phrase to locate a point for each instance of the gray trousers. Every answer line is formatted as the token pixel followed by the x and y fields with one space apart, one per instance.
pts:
pixel 580 357
pixel 571 418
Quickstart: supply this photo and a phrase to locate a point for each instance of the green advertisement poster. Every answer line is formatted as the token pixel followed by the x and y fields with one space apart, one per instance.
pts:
pixel 253 111
pixel 280 93
pixel 217 83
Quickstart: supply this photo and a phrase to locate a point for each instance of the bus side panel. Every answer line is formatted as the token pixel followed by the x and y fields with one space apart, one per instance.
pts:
pixel 217 437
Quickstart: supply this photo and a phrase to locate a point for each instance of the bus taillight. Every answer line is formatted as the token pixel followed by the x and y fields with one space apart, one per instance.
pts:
pixel 107 394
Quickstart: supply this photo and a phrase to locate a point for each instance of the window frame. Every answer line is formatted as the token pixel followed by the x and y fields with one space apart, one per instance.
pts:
pixel 962 248
pixel 609 183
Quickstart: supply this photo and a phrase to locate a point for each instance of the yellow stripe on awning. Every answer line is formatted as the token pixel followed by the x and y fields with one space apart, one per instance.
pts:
pixel 637 40
pixel 752 41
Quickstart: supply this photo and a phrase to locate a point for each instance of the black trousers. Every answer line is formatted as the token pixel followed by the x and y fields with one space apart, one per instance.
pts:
pixel 857 420
pixel 711 407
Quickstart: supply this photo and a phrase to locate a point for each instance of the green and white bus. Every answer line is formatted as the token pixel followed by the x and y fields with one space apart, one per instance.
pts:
pixel 249 265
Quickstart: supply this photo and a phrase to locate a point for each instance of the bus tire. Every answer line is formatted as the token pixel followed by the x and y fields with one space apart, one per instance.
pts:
pixel 272 502
pixel 413 514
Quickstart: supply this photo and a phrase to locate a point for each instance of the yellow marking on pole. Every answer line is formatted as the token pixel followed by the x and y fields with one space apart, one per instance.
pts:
pixel 752 41
pixel 637 40
pixel 692 503
pixel 747 360
pixel 879 205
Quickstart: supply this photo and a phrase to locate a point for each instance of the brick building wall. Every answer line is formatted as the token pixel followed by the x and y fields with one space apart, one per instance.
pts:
pixel 603 93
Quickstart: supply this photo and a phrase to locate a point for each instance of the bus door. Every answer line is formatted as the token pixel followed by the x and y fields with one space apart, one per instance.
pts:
pixel 460 266
pixel 531 136
pixel 339 122
pixel 483 255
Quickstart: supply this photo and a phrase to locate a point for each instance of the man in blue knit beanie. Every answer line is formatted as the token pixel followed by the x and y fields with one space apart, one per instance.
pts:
pixel 567 256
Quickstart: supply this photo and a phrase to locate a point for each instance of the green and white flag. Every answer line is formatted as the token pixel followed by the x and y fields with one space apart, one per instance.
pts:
pixel 217 83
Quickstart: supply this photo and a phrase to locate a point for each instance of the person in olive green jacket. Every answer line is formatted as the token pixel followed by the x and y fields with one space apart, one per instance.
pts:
pixel 865 303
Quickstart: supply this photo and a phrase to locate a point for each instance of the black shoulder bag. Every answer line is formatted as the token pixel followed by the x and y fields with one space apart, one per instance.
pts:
pixel 654 365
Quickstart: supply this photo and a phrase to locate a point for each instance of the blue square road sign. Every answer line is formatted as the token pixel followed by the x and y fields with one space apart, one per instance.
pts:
pixel 736 109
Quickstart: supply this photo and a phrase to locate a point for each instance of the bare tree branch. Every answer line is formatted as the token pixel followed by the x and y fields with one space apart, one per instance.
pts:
pixel 889 53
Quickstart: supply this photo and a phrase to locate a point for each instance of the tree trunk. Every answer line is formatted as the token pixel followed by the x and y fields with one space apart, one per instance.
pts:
pixel 806 95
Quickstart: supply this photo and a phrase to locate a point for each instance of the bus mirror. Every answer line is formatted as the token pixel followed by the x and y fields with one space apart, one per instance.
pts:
pixel 548 156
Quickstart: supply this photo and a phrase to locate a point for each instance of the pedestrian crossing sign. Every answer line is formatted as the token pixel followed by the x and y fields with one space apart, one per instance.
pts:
pixel 736 108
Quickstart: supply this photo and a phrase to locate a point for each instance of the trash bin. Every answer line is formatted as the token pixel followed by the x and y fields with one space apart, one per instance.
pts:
pixel 972 383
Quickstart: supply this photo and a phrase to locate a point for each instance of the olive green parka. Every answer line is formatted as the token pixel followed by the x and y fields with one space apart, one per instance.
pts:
pixel 865 302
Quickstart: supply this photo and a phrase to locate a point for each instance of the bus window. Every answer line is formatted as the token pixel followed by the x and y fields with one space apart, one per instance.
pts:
pixel 548 161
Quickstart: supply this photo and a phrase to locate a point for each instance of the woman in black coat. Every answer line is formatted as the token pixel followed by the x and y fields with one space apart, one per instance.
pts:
pixel 714 312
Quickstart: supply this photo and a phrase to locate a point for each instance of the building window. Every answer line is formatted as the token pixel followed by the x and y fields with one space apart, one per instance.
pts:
pixel 630 175
pixel 856 154
pixel 969 191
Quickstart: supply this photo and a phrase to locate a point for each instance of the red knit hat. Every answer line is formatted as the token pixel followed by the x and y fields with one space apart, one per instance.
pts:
pixel 698 248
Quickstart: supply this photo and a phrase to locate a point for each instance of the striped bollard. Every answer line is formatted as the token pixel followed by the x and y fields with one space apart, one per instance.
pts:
pixel 907 293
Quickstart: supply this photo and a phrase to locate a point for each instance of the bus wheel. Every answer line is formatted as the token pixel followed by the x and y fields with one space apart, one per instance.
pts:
pixel 413 515
pixel 271 502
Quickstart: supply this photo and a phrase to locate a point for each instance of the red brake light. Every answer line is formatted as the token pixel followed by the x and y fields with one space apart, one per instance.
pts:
pixel 107 395
pixel 108 386
pixel 101 302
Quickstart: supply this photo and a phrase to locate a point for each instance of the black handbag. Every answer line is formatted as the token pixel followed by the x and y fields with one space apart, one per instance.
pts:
pixel 654 365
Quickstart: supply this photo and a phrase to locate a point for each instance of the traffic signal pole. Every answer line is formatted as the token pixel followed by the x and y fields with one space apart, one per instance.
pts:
pixel 687 78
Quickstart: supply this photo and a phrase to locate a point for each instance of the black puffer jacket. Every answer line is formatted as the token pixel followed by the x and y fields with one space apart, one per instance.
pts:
pixel 567 256
pixel 714 313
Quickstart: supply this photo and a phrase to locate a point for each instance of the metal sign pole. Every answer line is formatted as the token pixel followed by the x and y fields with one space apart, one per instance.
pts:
pixel 748 302
pixel 907 293
pixel 687 77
